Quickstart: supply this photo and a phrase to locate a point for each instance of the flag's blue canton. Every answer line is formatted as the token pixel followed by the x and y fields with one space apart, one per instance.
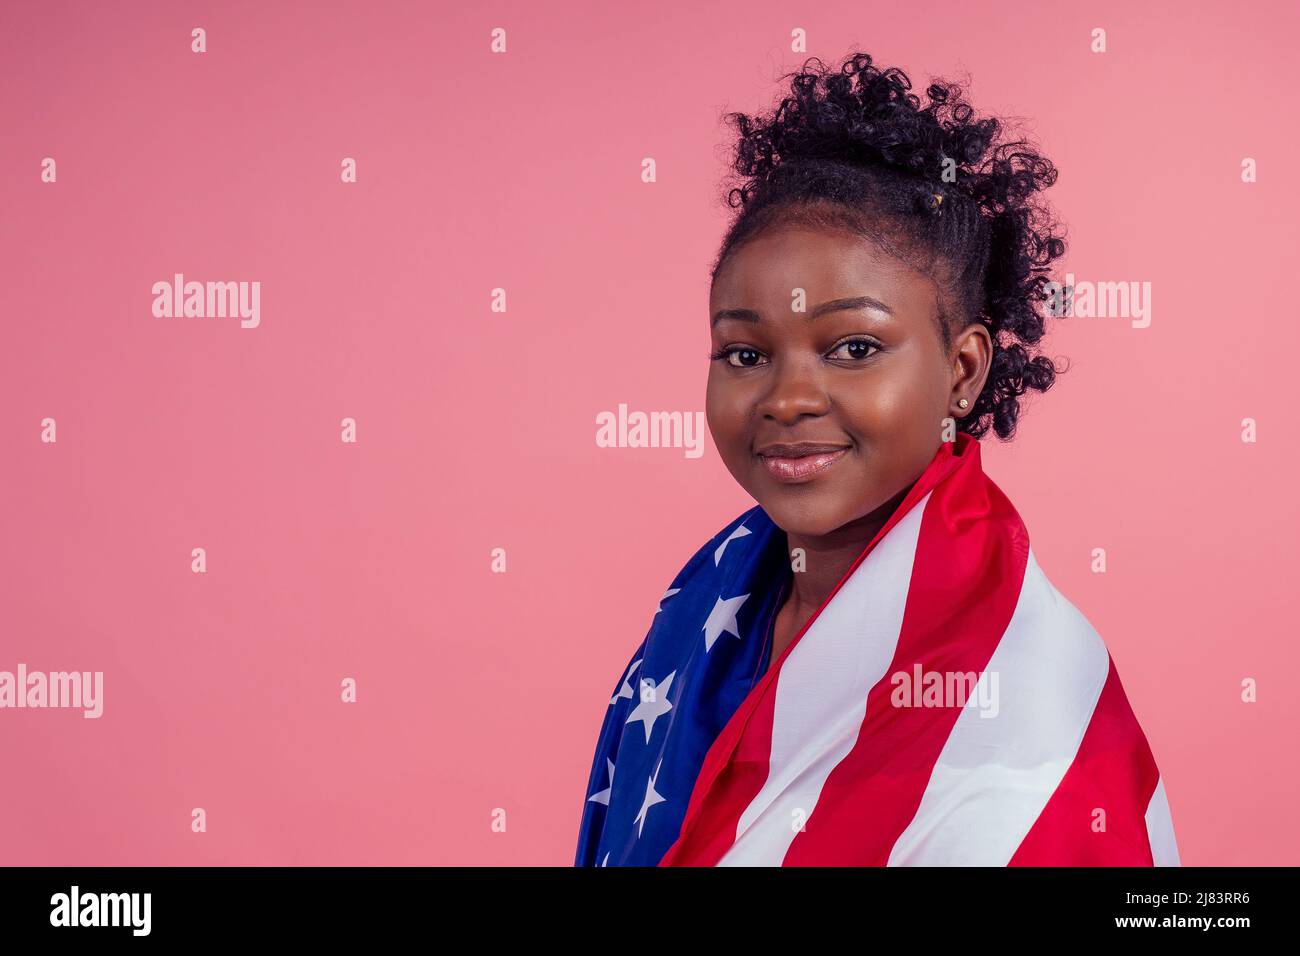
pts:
pixel 706 649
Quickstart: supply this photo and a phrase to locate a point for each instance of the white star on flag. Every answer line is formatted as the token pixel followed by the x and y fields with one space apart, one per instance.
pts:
pixel 648 711
pixel 651 798
pixel 722 620
pixel 626 689
pixel 603 795
pixel 738 533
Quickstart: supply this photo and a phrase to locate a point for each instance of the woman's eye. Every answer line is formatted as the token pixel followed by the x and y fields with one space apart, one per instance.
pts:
pixel 745 358
pixel 854 349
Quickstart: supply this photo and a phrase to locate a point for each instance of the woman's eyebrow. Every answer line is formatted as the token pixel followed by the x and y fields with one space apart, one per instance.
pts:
pixel 835 305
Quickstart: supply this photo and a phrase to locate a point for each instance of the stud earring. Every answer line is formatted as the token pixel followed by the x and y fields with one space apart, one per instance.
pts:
pixel 963 403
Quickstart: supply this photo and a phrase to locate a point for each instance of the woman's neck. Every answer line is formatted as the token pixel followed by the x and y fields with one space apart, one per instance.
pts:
pixel 827 557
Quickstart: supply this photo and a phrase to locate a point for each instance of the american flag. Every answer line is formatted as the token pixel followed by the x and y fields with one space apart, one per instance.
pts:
pixel 851 749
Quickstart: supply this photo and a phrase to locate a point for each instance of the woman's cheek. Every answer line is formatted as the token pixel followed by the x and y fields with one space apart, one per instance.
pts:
pixel 726 411
pixel 890 409
pixel 713 416
pixel 725 404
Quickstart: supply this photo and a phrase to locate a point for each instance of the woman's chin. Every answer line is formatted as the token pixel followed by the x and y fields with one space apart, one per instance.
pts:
pixel 801 519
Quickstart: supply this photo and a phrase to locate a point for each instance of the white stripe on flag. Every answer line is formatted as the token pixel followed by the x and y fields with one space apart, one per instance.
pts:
pixel 821 693
pixel 1160 828
pixel 995 774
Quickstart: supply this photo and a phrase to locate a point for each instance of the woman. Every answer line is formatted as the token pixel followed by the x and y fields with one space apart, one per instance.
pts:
pixel 869 667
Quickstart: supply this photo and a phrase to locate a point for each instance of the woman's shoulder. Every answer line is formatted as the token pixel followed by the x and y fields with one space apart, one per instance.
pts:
pixel 1059 667
pixel 709 555
pixel 752 521
pixel 1048 626
pixel 1067 742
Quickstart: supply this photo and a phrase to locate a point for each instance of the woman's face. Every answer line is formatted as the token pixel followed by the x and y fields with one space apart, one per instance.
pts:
pixel 860 372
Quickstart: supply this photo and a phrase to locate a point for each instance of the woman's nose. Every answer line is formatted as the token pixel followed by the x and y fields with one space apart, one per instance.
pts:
pixel 794 389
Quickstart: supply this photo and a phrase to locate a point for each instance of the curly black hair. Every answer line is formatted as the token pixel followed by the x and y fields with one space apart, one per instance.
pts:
pixel 934 186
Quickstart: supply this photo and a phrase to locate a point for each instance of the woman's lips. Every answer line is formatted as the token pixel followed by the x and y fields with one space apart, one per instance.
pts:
pixel 803 468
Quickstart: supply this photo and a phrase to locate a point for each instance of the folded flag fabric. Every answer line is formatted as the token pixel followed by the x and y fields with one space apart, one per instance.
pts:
pixel 946 706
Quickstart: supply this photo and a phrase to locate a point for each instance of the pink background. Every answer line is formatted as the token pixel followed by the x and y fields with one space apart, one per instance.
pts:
pixel 477 429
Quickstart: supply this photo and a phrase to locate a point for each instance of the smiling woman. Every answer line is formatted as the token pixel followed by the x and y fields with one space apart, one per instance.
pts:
pixel 872 310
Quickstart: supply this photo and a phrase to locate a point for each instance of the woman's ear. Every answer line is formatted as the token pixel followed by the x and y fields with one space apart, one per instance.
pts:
pixel 971 361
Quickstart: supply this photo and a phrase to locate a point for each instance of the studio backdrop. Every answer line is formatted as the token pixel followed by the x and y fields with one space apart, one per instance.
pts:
pixel 353 543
